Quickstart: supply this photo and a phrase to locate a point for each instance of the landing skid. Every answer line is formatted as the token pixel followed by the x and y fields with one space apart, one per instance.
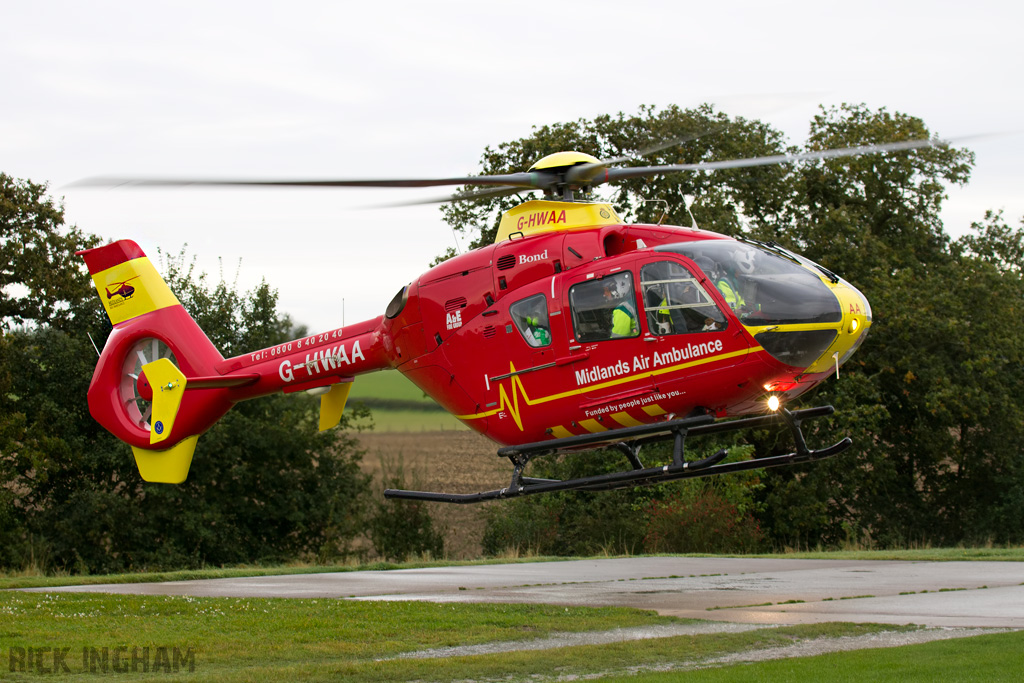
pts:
pixel 628 440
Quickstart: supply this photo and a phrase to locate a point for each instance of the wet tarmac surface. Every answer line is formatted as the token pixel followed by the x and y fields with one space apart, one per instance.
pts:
pixel 752 591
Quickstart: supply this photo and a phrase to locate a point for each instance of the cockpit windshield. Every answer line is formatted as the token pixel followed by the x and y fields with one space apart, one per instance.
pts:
pixel 762 287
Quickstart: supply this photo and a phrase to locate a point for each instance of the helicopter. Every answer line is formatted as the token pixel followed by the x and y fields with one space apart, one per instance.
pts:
pixel 573 330
pixel 121 289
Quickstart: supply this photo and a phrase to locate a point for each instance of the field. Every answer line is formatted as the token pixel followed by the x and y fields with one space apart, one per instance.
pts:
pixel 434 452
pixel 398 405
pixel 457 461
pixel 389 385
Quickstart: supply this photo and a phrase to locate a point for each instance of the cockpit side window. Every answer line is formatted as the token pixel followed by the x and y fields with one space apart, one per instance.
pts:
pixel 604 308
pixel 675 303
pixel 531 318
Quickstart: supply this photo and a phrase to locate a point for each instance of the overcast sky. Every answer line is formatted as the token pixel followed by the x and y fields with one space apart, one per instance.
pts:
pixel 404 89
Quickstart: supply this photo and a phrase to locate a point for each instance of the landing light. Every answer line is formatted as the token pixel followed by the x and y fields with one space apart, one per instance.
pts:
pixel 773 403
pixel 854 324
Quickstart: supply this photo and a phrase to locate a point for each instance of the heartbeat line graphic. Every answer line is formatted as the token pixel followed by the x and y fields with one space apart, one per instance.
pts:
pixel 511 405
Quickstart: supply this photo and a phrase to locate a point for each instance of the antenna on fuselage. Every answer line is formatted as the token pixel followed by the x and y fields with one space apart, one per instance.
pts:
pixel 687 200
pixel 93 343
pixel 458 252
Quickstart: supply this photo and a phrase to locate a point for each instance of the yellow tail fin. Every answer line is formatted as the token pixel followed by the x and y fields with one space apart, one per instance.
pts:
pixel 332 405
pixel 166 467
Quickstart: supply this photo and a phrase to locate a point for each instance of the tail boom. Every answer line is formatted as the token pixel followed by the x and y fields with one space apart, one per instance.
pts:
pixel 160 382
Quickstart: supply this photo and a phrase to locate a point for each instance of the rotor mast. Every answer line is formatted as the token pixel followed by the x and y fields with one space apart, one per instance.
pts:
pixel 564 182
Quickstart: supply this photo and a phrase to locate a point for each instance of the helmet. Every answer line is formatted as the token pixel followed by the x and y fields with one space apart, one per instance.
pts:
pixel 705 264
pixel 617 287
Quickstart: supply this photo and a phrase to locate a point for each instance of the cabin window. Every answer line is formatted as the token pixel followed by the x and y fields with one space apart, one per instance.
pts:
pixel 675 303
pixel 531 318
pixel 604 308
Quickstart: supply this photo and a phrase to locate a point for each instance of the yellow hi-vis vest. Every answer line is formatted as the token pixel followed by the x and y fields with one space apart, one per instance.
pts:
pixel 729 293
pixel 623 322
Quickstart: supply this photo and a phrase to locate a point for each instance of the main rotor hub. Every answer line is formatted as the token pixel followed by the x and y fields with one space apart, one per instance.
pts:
pixel 558 167
pixel 560 160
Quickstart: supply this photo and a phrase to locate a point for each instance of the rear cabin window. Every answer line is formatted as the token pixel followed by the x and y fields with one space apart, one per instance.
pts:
pixel 531 318
pixel 605 308
pixel 675 303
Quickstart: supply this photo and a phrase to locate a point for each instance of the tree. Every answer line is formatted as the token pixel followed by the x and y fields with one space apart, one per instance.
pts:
pixel 41 279
pixel 930 395
pixel 758 195
pixel 400 529
pixel 869 216
pixel 47 305
pixel 996 243
pixel 264 484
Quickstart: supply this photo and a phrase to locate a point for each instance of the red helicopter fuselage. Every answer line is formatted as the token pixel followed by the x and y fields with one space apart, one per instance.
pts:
pixel 458 337
pixel 572 323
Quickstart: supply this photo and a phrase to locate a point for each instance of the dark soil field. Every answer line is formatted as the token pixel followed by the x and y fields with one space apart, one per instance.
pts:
pixel 450 461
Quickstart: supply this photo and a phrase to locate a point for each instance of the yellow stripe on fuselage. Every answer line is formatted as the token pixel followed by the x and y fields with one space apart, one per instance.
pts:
pixel 512 404
pixel 148 292
pixel 626 420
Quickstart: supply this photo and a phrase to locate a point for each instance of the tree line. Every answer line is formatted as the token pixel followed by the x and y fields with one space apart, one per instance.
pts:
pixel 264 486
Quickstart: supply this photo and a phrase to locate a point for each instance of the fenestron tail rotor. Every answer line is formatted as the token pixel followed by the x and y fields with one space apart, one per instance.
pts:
pixel 139 408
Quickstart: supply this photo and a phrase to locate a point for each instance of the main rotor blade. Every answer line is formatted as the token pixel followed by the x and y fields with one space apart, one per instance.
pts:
pixel 460 196
pixel 585 174
pixel 520 180
pixel 614 174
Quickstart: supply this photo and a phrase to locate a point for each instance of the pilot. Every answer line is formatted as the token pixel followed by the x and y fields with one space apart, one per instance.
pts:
pixel 723 281
pixel 623 319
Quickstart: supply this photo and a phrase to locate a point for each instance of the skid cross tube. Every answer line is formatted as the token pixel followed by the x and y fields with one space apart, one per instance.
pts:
pixel 629 440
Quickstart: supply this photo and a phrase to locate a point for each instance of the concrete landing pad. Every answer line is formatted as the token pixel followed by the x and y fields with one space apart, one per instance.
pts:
pixel 776 591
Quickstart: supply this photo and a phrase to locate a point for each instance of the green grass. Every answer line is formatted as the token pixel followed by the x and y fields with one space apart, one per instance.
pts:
pixel 388 420
pixel 388 384
pixel 1015 554
pixel 398 405
pixel 997 657
pixel 14 580
pixel 275 639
